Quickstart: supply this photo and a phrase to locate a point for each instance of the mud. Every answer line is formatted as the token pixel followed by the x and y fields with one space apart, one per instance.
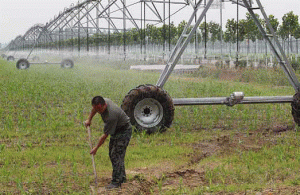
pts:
pixel 164 177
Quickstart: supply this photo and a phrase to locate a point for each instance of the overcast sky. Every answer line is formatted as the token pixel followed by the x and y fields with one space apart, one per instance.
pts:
pixel 17 16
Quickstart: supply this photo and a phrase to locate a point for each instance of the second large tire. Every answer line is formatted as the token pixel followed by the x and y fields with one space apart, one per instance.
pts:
pixel 149 108
pixel 22 64
pixel 67 63
pixel 296 108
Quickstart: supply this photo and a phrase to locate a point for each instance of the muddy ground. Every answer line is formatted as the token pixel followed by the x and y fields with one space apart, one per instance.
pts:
pixel 146 180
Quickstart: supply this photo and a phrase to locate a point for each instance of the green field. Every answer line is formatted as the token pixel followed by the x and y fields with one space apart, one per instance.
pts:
pixel 242 149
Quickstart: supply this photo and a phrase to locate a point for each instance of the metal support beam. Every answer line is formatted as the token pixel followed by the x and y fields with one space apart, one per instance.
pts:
pixel 283 61
pixel 106 8
pixel 182 43
pixel 227 100
pixel 185 37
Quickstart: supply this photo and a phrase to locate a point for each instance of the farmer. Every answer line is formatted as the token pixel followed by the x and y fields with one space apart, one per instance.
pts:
pixel 117 125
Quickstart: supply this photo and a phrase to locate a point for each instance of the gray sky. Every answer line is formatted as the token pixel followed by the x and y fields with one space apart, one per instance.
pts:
pixel 17 16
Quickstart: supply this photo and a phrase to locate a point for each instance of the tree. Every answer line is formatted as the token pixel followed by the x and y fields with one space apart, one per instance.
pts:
pixel 153 33
pixel 242 29
pixel 133 36
pixel 289 26
pixel 230 32
pixel 274 23
pixel 290 23
pixel 215 31
pixel 181 27
pixel 297 36
pixel 170 32
pixel 251 28
pixel 204 30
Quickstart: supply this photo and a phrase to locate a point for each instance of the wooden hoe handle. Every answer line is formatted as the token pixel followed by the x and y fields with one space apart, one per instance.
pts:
pixel 93 160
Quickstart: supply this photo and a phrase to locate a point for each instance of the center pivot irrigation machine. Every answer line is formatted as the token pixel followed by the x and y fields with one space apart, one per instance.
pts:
pixel 34 38
pixel 99 24
pixel 152 109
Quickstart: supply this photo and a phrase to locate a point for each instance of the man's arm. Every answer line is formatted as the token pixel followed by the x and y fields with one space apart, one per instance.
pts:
pixel 89 120
pixel 101 141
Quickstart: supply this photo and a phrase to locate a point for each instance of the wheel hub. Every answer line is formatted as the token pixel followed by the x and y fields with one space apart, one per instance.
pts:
pixel 148 112
pixel 67 64
pixel 23 65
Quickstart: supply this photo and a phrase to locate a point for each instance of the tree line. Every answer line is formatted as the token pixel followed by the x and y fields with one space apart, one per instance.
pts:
pixel 244 29
pixel 211 31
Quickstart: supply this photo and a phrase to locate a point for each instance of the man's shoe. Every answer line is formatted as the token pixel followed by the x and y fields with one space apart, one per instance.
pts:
pixel 112 186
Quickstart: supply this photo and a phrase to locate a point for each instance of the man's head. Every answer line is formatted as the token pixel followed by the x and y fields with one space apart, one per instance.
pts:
pixel 99 104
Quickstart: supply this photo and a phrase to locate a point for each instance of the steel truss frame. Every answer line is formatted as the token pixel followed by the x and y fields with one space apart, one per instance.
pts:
pixel 91 17
pixel 236 97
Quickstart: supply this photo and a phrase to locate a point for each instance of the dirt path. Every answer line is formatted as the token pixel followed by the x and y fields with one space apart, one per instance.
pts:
pixel 165 177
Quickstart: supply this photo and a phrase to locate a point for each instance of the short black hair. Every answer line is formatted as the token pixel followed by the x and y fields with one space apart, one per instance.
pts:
pixel 98 100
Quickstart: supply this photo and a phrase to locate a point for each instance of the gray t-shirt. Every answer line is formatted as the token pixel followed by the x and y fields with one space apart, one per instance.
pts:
pixel 114 118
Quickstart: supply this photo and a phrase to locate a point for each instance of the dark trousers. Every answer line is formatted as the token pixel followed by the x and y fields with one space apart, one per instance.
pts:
pixel 117 150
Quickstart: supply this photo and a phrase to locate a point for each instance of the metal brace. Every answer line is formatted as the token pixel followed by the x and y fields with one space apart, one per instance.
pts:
pixel 235 98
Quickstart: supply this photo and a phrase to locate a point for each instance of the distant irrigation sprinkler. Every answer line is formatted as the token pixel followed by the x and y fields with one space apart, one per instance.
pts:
pixel 83 25
pixel 23 63
pixel 151 108
pixel 89 24
pixel 34 38
pixel 8 57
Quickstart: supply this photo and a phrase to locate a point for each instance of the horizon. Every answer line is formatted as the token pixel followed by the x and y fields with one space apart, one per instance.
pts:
pixel 15 23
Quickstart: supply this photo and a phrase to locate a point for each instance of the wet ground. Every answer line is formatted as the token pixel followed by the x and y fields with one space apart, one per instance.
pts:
pixel 189 175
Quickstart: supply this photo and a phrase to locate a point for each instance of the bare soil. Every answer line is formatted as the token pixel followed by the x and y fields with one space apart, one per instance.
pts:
pixel 165 177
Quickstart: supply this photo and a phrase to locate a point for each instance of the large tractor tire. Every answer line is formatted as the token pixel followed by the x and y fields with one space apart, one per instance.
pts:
pixel 67 63
pixel 296 108
pixel 22 64
pixel 149 108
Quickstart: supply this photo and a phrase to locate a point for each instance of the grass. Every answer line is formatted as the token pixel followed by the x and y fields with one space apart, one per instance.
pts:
pixel 44 147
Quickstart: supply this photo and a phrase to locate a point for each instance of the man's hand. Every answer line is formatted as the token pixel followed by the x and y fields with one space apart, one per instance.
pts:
pixel 87 123
pixel 94 151
pixel 101 141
